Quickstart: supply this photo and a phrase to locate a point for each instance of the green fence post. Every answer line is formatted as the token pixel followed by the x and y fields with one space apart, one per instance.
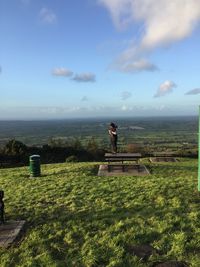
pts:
pixel 199 154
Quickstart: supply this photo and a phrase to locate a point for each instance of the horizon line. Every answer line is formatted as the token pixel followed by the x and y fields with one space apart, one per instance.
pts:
pixel 97 117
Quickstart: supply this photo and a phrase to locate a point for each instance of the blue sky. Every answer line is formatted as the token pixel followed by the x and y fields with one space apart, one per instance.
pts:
pixel 87 58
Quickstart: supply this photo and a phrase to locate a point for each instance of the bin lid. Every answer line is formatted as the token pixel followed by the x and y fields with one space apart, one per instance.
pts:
pixel 34 157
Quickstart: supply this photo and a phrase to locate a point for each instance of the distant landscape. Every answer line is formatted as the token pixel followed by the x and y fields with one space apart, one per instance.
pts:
pixel 157 133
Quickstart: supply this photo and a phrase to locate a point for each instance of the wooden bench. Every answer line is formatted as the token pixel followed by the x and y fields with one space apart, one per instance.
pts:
pixel 121 157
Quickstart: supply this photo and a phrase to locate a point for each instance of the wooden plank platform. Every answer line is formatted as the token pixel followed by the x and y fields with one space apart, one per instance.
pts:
pixel 9 232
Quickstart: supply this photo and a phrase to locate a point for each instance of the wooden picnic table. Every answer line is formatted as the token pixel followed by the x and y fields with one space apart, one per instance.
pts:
pixel 121 157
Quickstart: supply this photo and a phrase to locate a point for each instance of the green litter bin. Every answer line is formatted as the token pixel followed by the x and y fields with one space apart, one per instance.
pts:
pixel 34 165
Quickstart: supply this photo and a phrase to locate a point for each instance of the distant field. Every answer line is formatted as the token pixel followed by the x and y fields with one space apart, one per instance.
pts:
pixel 168 133
pixel 75 218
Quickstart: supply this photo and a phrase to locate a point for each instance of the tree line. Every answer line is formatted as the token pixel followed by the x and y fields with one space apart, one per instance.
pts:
pixel 16 153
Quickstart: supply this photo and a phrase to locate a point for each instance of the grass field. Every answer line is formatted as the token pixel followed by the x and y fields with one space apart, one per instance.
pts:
pixel 75 218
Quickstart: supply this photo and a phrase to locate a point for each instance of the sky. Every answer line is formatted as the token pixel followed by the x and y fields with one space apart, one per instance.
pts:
pixel 97 58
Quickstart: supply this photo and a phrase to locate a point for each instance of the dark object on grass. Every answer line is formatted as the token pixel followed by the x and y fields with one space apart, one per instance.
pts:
pixel 35 165
pixel 171 264
pixel 143 251
pixel 2 220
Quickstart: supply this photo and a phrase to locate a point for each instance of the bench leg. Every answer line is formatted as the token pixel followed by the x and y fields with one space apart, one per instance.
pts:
pixel 139 168
pixel 109 166
pixel 123 167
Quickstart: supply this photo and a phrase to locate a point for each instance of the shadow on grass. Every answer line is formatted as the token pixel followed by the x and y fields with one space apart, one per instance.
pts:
pixel 90 223
pixel 50 218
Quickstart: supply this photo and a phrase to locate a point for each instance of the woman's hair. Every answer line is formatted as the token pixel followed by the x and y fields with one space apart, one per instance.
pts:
pixel 113 125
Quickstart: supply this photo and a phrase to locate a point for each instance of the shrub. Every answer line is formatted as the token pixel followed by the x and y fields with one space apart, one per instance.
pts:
pixel 134 148
pixel 72 158
pixel 14 147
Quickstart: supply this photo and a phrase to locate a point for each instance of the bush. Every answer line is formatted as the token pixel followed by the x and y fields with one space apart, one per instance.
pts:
pixel 72 159
pixel 134 148
pixel 14 147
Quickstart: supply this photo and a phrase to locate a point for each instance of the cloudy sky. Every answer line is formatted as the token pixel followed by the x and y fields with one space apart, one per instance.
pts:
pixel 87 58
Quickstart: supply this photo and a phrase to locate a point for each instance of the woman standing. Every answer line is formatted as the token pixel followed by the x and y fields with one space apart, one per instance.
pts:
pixel 113 136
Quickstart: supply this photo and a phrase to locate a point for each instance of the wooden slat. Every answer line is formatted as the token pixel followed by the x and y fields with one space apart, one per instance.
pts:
pixel 122 155
pixel 121 159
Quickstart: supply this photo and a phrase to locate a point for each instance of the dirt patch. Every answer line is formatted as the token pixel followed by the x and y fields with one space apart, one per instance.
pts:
pixel 143 251
pixel 163 159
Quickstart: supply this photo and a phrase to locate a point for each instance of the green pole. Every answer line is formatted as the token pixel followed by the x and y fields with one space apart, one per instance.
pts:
pixel 199 155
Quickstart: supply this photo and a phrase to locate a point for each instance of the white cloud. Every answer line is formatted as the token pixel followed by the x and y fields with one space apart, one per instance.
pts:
pixel 165 88
pixel 120 11
pixel 47 16
pixel 124 108
pixel 163 22
pixel 125 95
pixel 53 110
pixel 62 72
pixel 84 77
pixel 84 98
pixel 137 66
pixel 195 91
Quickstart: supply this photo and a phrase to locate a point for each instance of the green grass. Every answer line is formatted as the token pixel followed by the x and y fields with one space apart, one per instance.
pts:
pixel 75 218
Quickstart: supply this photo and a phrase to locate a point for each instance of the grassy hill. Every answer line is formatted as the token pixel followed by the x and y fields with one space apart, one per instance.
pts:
pixel 75 218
